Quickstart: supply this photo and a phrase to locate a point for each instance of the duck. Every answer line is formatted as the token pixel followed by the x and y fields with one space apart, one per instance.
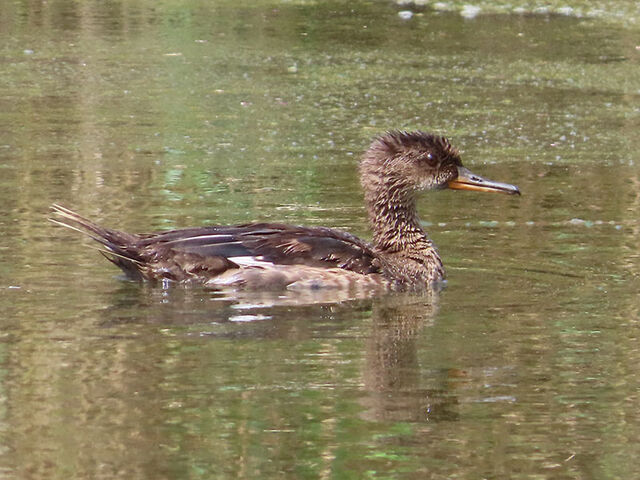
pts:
pixel 265 256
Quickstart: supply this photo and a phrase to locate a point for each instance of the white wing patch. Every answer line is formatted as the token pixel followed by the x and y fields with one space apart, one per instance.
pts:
pixel 251 261
pixel 218 237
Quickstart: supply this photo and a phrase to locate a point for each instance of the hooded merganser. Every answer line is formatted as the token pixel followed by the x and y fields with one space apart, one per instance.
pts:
pixel 393 170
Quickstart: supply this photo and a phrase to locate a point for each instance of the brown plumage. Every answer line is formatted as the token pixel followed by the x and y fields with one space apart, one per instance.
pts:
pixel 393 170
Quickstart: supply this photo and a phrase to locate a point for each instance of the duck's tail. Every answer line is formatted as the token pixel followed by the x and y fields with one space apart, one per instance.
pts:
pixel 120 247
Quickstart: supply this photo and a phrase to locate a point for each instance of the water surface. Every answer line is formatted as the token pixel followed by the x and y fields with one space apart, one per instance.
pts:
pixel 167 114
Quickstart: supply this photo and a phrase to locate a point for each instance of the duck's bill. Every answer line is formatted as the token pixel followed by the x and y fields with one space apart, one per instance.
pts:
pixel 470 181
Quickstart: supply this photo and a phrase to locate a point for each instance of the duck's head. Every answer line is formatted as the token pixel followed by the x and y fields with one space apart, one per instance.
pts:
pixel 402 163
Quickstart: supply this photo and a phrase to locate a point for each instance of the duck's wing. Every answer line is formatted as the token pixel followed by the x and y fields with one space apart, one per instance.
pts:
pixel 261 244
pixel 204 253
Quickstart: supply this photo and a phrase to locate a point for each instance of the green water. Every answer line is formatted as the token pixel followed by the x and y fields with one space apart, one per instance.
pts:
pixel 152 115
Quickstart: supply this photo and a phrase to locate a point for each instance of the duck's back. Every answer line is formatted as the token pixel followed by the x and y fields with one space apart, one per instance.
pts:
pixel 258 255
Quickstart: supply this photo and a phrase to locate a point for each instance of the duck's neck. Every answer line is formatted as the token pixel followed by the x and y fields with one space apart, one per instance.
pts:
pixel 395 223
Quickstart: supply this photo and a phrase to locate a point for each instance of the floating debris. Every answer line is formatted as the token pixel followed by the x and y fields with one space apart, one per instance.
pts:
pixel 443 6
pixel 470 11
pixel 568 11
pixel 580 221
pixel 418 3
pixel 490 223
pixel 248 318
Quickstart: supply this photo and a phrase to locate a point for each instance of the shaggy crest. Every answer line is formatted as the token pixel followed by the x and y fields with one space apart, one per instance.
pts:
pixel 394 142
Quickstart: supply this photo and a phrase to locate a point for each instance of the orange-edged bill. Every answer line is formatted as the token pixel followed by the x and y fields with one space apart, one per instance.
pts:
pixel 468 180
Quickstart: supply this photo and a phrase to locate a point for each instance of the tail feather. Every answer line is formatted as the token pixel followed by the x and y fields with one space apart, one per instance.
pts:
pixel 107 237
pixel 120 246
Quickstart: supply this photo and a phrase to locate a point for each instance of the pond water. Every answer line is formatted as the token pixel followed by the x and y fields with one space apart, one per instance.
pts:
pixel 154 115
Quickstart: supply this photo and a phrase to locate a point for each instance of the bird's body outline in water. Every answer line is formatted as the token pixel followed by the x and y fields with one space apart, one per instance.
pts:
pixel 393 170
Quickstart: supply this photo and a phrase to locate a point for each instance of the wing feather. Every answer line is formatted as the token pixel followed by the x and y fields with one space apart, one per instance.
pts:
pixel 276 243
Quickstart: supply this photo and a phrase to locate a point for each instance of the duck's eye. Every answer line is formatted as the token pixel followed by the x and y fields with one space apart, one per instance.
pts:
pixel 430 159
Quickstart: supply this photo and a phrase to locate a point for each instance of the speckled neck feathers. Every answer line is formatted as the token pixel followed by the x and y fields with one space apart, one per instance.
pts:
pixel 390 190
